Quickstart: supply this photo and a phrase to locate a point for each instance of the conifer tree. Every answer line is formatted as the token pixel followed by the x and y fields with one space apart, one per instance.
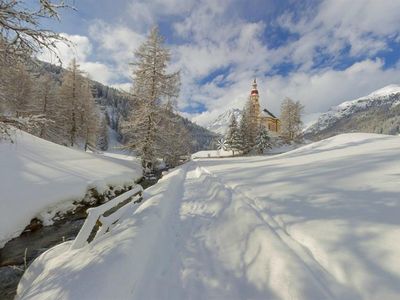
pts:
pixel 245 132
pixel 263 141
pixel 78 114
pixel 70 93
pixel 45 101
pixel 152 87
pixel 233 137
pixel 102 139
pixel 175 141
pixel 89 123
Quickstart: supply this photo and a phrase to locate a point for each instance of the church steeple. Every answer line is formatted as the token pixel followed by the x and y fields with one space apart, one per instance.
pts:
pixel 254 111
pixel 254 91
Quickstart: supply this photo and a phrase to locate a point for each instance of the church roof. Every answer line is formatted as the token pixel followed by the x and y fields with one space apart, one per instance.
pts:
pixel 269 113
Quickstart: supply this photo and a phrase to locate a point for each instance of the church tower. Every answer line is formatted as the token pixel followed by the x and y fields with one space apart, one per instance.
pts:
pixel 254 106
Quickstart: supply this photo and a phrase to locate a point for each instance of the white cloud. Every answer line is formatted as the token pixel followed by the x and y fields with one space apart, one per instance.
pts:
pixel 325 88
pixel 117 43
pixel 79 47
pixel 122 86
pixel 98 71
pixel 362 25
pixel 317 91
pixel 146 13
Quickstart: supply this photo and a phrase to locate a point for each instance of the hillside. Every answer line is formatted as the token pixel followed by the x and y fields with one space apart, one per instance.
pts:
pixel 39 178
pixel 221 123
pixel 379 112
pixel 319 222
pixel 115 103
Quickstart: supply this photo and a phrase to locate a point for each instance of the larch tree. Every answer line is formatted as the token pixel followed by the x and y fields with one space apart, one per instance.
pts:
pixel 152 87
pixel 20 37
pixel 89 116
pixel 291 124
pixel 175 140
pixel 70 94
pixel 77 108
pixel 19 91
pixel 45 102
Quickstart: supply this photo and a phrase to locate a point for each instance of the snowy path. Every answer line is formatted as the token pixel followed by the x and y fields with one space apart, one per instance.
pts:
pixel 261 258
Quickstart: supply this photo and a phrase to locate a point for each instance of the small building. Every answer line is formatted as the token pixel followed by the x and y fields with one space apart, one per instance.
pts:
pixel 263 117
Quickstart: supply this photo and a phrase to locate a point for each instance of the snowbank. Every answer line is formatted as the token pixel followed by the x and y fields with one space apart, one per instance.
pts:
pixel 37 176
pixel 319 222
pixel 111 266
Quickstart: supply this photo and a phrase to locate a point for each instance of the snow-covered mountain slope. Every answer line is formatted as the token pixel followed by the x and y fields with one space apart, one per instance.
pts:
pixel 221 123
pixel 39 178
pixel 319 222
pixel 379 112
pixel 115 104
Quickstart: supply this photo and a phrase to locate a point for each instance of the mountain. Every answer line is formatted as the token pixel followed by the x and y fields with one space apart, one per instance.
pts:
pixel 379 112
pixel 221 123
pixel 115 104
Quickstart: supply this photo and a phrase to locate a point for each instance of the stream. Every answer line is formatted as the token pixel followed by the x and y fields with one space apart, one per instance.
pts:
pixel 18 253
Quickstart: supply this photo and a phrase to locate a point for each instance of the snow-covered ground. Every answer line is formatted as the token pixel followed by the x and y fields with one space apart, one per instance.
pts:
pixel 211 153
pixel 39 178
pixel 319 222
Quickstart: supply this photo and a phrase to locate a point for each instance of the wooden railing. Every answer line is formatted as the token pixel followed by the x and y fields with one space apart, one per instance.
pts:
pixel 104 217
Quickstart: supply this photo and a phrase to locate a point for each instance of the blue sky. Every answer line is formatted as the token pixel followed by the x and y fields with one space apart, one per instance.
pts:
pixel 321 52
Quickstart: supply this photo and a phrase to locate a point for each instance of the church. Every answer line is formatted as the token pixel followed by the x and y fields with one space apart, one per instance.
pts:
pixel 263 117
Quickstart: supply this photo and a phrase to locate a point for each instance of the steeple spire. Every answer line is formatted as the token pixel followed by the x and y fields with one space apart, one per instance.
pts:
pixel 254 91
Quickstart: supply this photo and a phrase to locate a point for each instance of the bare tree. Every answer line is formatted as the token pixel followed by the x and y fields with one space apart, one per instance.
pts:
pixel 19 91
pixel 21 32
pixel 20 37
pixel 291 126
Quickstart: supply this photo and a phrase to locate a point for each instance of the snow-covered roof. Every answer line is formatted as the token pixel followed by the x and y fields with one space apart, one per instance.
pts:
pixel 266 111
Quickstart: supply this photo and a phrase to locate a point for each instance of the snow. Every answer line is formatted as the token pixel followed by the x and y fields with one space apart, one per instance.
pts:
pixel 387 90
pixel 211 153
pixel 221 123
pixel 310 119
pixel 319 222
pixel 114 146
pixel 39 178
